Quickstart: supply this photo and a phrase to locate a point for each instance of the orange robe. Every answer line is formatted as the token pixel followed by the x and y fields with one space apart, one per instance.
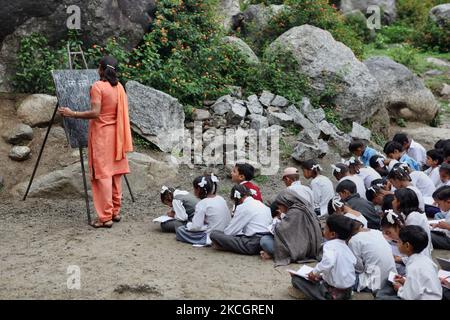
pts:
pixel 109 140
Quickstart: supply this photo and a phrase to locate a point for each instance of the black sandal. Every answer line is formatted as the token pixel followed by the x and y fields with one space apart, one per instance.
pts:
pixel 107 224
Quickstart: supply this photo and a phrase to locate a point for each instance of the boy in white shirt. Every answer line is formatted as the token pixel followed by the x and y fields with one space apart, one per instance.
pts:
pixel 341 172
pixel 441 239
pixel 291 179
pixel 334 276
pixel 421 281
pixel 413 149
pixel 434 161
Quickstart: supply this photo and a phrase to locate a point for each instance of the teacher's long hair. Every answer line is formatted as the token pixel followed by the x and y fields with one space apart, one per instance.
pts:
pixel 108 70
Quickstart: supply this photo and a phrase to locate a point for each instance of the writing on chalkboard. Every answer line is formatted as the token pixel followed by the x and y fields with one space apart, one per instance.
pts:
pixel 73 91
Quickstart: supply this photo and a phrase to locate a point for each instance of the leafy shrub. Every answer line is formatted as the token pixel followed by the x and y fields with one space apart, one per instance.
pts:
pixel 406 55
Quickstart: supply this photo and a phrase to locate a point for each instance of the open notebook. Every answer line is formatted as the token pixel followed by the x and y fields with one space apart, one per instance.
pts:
pixel 162 219
pixel 302 272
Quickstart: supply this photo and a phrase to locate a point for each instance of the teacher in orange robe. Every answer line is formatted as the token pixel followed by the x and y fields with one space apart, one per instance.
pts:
pixel 109 141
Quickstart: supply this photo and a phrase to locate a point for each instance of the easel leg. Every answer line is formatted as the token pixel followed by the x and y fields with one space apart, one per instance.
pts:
pixel 129 188
pixel 85 186
pixel 40 152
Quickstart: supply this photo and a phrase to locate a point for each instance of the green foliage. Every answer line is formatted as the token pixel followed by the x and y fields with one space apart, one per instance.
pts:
pixel 395 34
pixel 401 122
pixel 406 55
pixel 286 149
pixel 332 116
pixel 261 179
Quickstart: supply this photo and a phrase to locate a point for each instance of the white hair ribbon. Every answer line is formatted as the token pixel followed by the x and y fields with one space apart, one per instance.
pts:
pixel 203 183
pixel 338 170
pixel 237 194
pixel 390 214
pixel 337 203
pixel 164 189
pixel 380 162
pixel 110 66
pixel 214 178
pixel 352 160
pixel 403 165
pixel 372 189
pixel 316 166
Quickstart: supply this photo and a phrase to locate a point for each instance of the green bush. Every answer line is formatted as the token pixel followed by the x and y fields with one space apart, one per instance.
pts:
pixel 396 34
pixel 406 55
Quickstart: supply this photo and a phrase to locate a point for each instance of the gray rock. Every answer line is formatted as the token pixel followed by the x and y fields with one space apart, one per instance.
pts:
pixel 360 132
pixel 303 151
pixel 280 119
pixel 326 128
pixel 404 94
pixel 388 7
pixel 201 115
pixel 242 47
pixel 313 114
pixel 235 91
pixel 2 183
pixel 155 115
pixel 37 110
pixel 254 106
pixel 445 90
pixel 300 120
pixel 341 143
pixel 19 134
pixel 219 121
pixel 256 18
pixel 273 110
pixel 280 102
pixel 309 136
pixel 223 105
pixel 236 114
pixel 438 62
pixel 226 10
pixel 433 72
pixel 322 59
pixel 441 14
pixel 258 122
pixel 20 153
pixel 266 98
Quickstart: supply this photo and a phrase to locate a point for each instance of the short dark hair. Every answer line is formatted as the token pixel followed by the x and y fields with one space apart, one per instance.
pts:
pixel 356 144
pixel 441 144
pixel 408 201
pixel 415 236
pixel 342 167
pixel 387 202
pixel 247 170
pixel 309 164
pixel 348 185
pixel 442 193
pixel 445 167
pixel 341 225
pixel 436 155
pixel 401 138
pixel 391 146
pixel 373 161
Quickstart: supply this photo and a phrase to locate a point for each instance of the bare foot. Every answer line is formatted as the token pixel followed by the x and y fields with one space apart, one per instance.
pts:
pixel 265 256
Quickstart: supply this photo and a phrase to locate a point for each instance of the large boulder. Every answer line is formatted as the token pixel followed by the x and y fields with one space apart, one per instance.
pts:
pixel 67 183
pixel 226 10
pixel 100 19
pixel 255 18
pixel 242 47
pixel 387 7
pixel 37 110
pixel 427 136
pixel 155 115
pixel 441 14
pixel 325 61
pixel 404 94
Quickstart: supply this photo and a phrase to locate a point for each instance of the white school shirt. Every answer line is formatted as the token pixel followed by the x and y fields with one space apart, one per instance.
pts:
pixel 423 183
pixel 419 219
pixel 419 196
pixel 422 281
pixel 417 152
pixel 337 266
pixel 210 214
pixel 374 259
pixel 251 217
pixel 359 218
pixel 323 192
pixel 368 174
pixel 303 191
pixel 360 188
pixel 443 184
pixel 433 173
pixel 178 207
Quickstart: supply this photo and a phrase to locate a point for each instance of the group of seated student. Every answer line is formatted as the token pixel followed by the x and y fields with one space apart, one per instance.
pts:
pixel 375 221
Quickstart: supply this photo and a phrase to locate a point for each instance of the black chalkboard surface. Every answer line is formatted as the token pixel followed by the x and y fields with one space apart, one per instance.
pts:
pixel 73 91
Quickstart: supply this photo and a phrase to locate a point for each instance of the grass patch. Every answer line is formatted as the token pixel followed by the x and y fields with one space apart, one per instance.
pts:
pixel 261 179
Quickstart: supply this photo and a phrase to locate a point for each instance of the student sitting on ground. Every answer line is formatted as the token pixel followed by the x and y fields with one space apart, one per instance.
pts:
pixel 291 179
pixel 341 172
pixel 394 151
pixel 406 203
pixel 367 174
pixel 377 191
pixel 211 213
pixel 336 206
pixel 347 191
pixel 390 226
pixel 413 149
pixel 400 178
pixel 334 276
pixel 421 281
pixel 248 225
pixel 374 258
pixel 182 207
pixel 298 236
pixel 360 149
pixel 377 163
pixel 434 161
pixel 243 173
pixel 441 239
pixel 444 173
pixel 321 186
pixel 420 180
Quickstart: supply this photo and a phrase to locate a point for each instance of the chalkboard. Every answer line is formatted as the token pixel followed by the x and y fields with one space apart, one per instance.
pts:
pixel 73 91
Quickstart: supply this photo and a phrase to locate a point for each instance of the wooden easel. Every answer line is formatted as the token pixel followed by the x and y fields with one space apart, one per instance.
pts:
pixel 71 54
